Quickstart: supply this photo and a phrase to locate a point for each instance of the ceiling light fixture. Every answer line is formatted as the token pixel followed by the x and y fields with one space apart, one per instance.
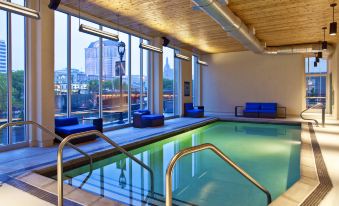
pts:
pixel 18 9
pixel 324 43
pixel 333 24
pixel 183 57
pixel 202 62
pixel 150 47
pixel 315 64
pixel 96 32
pixel 320 54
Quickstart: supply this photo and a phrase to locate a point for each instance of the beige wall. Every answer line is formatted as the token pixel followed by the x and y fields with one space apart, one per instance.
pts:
pixel 232 79
pixel 333 68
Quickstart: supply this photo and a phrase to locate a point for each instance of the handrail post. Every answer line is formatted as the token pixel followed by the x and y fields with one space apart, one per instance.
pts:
pixel 201 147
pixel 323 116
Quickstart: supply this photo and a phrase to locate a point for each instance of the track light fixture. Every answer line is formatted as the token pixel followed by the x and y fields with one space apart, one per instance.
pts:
pixel 202 62
pixel 333 24
pixel 183 57
pixel 324 43
pixel 150 47
pixel 18 9
pixel 96 32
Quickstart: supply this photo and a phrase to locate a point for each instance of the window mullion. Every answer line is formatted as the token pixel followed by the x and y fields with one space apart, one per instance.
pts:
pixel 9 74
pixel 69 64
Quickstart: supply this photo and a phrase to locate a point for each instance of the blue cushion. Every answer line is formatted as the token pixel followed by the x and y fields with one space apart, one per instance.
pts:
pixel 253 106
pixel 152 117
pixel 188 106
pixel 269 106
pixel 268 111
pixel 143 112
pixel 195 113
pixel 60 122
pixel 251 110
pixel 72 129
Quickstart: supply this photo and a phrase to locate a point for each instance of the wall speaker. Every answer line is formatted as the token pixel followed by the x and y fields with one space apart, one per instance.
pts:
pixel 53 4
pixel 166 41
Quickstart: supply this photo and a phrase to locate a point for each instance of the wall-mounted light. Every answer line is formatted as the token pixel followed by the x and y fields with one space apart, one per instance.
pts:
pixel 324 43
pixel 333 24
pixel 96 32
pixel 150 47
pixel 18 9
pixel 180 56
pixel 202 62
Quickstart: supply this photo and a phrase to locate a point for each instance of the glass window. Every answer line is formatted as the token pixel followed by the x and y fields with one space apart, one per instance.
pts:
pixel 85 61
pixel 99 80
pixel 60 64
pixel 316 82
pixel 3 77
pixel 12 74
pixel 18 73
pixel 135 73
pixel 168 81
pixel 115 80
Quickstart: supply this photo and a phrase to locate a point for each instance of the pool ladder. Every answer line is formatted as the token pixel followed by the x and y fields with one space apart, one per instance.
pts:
pixel 322 114
pixel 199 148
pixel 108 140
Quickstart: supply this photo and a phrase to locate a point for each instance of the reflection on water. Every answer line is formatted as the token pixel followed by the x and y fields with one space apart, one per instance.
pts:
pixel 269 153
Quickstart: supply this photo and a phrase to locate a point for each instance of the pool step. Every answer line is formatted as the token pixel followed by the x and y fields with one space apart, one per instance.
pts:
pixel 114 191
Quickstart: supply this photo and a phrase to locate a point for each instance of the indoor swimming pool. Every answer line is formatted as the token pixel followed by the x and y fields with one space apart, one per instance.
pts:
pixel 270 153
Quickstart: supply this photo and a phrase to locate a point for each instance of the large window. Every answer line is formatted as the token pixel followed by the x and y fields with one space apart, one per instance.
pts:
pixel 12 74
pixel 91 81
pixel 170 82
pixel 316 81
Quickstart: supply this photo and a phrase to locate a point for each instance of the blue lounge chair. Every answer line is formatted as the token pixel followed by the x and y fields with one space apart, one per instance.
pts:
pixel 191 111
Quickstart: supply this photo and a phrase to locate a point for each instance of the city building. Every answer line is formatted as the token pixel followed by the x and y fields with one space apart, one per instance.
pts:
pixel 3 57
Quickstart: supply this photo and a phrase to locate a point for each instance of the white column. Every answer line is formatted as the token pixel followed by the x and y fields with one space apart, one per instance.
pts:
pixel 185 76
pixel 40 88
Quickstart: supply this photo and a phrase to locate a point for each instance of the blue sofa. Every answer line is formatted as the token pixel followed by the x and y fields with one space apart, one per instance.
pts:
pixel 191 111
pixel 68 126
pixel 259 109
pixel 144 118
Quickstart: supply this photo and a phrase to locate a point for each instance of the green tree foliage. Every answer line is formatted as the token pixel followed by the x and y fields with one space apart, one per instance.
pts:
pixel 3 92
pixel 167 84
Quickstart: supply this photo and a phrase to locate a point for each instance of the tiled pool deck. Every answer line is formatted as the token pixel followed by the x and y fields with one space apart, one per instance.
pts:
pixel 20 163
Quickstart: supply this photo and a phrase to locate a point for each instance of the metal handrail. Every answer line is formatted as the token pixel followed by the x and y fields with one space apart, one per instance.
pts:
pixel 108 140
pixel 20 123
pixel 221 155
pixel 316 121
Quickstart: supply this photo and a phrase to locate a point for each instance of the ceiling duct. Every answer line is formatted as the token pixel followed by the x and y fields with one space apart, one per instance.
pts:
pixel 236 28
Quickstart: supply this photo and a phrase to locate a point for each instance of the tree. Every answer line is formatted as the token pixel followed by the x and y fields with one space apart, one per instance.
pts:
pixel 167 84
pixel 93 86
pixel 3 92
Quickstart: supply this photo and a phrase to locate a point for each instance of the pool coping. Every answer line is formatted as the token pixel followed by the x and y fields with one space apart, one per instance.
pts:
pixel 297 194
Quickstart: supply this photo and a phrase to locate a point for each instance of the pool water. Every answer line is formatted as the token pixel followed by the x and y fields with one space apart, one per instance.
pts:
pixel 268 152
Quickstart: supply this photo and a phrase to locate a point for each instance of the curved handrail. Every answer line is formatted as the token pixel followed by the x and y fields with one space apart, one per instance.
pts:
pixel 20 123
pixel 108 140
pixel 199 148
pixel 314 106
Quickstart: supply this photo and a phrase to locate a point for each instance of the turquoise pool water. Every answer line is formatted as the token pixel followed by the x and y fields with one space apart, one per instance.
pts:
pixel 268 152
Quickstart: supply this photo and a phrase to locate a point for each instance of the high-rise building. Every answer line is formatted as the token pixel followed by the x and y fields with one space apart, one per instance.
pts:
pixel 110 56
pixel 3 57
pixel 168 71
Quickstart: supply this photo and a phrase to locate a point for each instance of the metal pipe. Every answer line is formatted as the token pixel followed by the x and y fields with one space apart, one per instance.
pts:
pixel 199 148
pixel 236 28
pixel 11 124
pixel 108 140
pixel 316 121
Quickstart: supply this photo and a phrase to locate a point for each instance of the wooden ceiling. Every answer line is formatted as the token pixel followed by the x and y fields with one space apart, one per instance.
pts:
pixel 277 22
